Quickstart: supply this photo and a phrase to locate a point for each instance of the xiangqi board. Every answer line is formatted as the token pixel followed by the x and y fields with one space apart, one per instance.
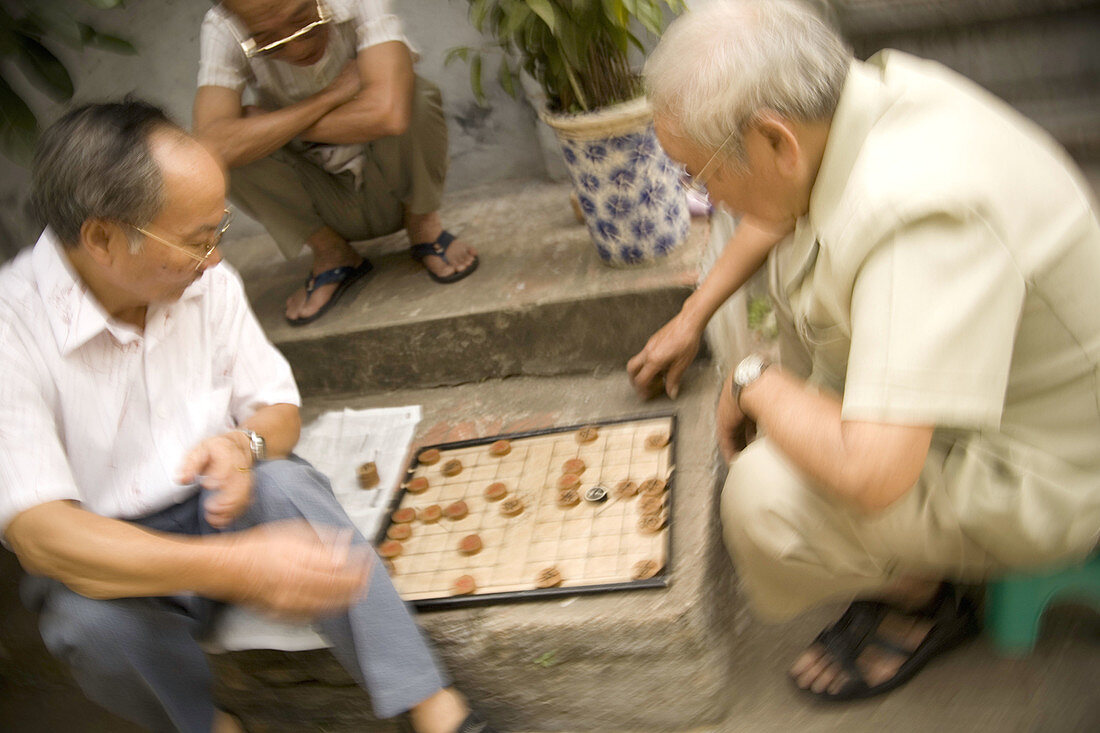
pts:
pixel 568 510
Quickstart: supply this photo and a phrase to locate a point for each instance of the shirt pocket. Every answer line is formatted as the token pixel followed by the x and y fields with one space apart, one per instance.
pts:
pixel 828 347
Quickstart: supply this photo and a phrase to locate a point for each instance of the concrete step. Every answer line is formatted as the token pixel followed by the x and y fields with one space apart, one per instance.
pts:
pixel 541 302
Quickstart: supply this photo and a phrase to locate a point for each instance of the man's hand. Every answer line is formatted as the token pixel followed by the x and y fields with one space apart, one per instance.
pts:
pixel 222 465
pixel 294 572
pixel 734 429
pixel 667 354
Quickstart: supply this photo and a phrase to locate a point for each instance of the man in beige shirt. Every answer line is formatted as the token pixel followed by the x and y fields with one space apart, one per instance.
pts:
pixel 933 258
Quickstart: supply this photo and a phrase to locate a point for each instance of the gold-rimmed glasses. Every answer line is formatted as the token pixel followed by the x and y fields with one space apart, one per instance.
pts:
pixel 251 49
pixel 697 184
pixel 198 252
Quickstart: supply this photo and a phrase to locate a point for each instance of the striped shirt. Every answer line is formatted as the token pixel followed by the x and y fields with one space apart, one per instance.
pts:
pixel 95 411
pixel 272 84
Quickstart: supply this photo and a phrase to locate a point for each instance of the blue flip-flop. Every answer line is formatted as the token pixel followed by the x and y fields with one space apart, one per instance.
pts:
pixel 439 248
pixel 345 275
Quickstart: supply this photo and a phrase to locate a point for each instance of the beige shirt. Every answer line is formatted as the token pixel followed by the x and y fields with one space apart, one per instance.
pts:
pixel 948 274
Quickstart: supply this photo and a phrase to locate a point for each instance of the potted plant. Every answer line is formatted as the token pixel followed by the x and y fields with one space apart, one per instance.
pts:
pixel 578 51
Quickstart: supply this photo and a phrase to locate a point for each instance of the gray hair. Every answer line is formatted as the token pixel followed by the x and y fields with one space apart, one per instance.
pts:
pixel 95 163
pixel 716 68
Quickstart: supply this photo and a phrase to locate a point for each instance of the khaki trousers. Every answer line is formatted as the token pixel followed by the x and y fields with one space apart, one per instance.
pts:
pixel 979 506
pixel 294 197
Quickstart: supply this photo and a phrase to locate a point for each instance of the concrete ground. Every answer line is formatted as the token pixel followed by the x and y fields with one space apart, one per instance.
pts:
pixel 527 235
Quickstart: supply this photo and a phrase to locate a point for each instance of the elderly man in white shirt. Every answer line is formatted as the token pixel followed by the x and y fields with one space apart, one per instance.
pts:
pixel 146 426
pixel 329 135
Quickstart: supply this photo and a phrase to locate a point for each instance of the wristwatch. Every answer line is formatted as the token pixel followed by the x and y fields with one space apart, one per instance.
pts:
pixel 255 443
pixel 747 372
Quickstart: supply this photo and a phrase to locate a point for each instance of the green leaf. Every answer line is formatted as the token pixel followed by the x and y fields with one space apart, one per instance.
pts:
pixel 103 42
pixel 475 79
pixel 44 69
pixel 479 11
pixel 457 52
pixel 545 10
pixel 507 78
pixel 650 16
pixel 18 126
pixel 518 14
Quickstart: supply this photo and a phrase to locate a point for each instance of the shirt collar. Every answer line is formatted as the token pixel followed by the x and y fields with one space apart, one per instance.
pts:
pixel 860 106
pixel 74 313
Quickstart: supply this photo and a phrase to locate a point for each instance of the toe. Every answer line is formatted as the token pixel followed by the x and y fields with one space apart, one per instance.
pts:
pixel 317 300
pixel 294 303
pixel 806 660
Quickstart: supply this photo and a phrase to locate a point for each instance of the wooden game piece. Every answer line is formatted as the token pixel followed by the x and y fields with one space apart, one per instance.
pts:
pixel 651 504
pixel 548 577
pixel 464 585
pixel 587 435
pixel 368 475
pixel 651 523
pixel 456 511
pixel 452 467
pixel 430 513
pixel 652 487
pixel 417 485
pixel 469 545
pixel 500 448
pixel 574 466
pixel 656 441
pixel 644 569
pixel 496 491
pixel 595 494
pixel 626 489
pixel 429 457
pixel 512 506
pixel 569 481
pixel 403 515
pixel 399 532
pixel 569 498
pixel 390 548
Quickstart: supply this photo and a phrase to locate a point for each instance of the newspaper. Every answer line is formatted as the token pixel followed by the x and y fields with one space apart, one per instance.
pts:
pixel 336 443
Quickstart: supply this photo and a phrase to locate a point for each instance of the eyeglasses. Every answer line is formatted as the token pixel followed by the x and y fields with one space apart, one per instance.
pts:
pixel 697 184
pixel 198 252
pixel 251 49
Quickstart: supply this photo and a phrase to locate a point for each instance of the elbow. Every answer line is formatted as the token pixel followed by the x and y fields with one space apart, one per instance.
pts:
pixel 875 495
pixel 396 124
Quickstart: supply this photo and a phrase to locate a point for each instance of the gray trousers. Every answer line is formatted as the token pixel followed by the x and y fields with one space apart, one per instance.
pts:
pixel 293 197
pixel 140 658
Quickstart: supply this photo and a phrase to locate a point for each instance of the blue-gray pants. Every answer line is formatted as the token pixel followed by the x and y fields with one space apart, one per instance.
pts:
pixel 140 659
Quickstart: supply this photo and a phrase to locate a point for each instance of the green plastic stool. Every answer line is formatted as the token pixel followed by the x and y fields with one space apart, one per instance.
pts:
pixel 1015 603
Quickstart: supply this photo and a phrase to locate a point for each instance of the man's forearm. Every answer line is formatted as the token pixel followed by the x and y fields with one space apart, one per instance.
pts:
pixel 359 121
pixel 245 139
pixel 280 425
pixel 109 558
pixel 868 464
pixel 743 255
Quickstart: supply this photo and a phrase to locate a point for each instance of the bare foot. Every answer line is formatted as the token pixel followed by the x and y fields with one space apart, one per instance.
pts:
pixel 459 256
pixel 817 671
pixel 329 251
pixel 423 228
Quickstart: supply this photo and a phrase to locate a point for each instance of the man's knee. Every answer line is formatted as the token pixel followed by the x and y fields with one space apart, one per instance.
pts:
pixel 90 635
pixel 761 501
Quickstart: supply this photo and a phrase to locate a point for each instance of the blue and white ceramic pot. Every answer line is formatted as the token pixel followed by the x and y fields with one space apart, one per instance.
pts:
pixel 628 188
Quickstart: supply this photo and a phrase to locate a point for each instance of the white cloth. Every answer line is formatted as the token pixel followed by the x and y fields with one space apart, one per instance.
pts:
pixel 274 84
pixel 95 411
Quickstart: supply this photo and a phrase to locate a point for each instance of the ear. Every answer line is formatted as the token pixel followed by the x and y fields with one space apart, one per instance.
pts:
pixel 96 236
pixel 782 144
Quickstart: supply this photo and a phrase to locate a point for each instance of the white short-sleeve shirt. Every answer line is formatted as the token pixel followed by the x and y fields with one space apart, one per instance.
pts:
pixel 95 411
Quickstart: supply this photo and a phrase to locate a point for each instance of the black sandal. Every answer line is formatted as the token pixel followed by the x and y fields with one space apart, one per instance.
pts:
pixel 954 620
